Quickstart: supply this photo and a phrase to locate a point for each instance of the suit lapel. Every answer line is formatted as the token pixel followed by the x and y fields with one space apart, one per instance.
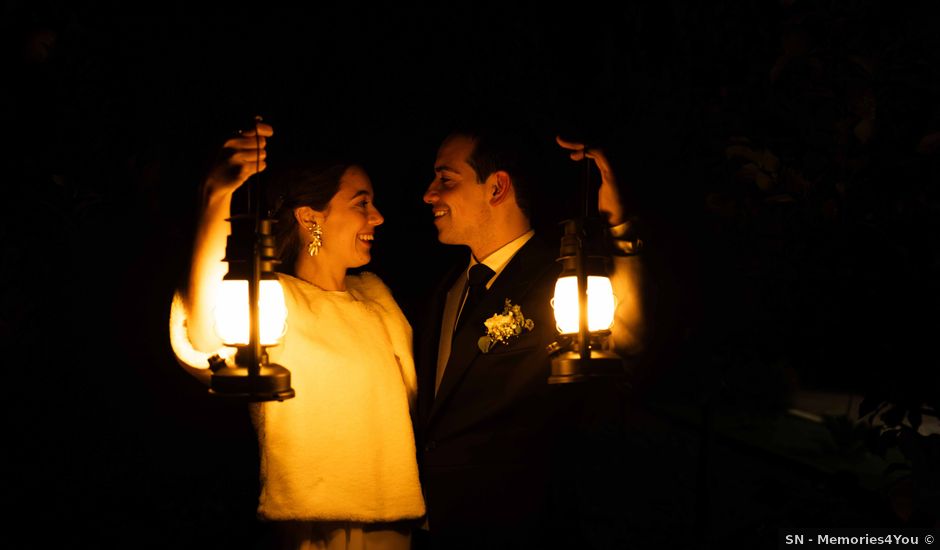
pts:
pixel 430 339
pixel 513 283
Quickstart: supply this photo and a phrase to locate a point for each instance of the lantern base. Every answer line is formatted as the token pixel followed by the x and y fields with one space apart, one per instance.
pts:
pixel 272 383
pixel 569 366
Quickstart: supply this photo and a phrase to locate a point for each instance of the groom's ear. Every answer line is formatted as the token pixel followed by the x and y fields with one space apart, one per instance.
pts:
pixel 501 187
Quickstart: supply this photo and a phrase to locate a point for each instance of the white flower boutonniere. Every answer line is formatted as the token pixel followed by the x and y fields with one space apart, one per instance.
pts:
pixel 503 326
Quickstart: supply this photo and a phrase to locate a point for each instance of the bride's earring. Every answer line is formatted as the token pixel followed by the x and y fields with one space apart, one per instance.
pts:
pixel 316 239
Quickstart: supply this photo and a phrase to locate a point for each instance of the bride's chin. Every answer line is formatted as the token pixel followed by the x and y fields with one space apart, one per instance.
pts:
pixel 365 261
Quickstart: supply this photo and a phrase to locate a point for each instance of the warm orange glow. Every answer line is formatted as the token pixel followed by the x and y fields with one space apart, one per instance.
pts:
pixel 231 312
pixel 601 304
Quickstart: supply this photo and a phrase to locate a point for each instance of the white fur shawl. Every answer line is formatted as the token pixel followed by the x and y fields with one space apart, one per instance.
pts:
pixel 343 448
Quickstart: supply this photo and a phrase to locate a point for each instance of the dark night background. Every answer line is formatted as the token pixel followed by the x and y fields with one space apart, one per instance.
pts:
pixel 784 156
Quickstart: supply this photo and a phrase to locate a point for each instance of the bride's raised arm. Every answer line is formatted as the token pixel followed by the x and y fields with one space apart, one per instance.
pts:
pixel 240 158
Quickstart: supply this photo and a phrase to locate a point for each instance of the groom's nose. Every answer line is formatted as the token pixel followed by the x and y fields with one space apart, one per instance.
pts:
pixel 431 195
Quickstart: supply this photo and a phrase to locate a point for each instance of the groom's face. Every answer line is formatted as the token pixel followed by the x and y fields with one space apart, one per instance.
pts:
pixel 458 199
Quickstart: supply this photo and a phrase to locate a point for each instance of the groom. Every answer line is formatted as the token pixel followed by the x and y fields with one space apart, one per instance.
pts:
pixel 488 422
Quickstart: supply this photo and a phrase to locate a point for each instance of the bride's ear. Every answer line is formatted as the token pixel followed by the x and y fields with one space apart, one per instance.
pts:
pixel 306 216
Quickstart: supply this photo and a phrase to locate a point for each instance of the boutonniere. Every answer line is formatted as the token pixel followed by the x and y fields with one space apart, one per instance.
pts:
pixel 504 326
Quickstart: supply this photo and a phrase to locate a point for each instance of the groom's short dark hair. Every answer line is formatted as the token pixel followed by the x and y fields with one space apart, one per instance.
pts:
pixel 502 146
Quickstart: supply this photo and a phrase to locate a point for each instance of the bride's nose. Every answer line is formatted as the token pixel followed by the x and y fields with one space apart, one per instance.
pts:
pixel 376 217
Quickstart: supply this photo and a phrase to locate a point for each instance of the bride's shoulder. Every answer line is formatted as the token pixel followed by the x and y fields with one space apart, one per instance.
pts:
pixel 368 285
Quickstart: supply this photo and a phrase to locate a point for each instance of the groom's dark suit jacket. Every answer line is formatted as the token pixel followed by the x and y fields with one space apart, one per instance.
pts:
pixel 485 441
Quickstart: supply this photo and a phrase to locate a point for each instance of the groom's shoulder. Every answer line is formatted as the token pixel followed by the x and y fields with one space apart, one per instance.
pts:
pixel 537 263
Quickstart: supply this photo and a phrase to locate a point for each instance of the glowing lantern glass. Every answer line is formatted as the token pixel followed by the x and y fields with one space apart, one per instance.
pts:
pixel 231 313
pixel 601 304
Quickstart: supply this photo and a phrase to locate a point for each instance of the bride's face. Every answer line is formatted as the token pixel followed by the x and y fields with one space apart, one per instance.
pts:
pixel 349 221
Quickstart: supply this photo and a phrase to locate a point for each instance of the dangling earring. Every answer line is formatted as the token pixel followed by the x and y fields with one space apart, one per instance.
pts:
pixel 316 239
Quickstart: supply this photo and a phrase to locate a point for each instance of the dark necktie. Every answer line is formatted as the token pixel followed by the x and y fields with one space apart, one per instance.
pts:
pixel 476 288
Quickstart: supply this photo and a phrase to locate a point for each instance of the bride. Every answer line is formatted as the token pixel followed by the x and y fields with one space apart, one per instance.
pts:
pixel 338 465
